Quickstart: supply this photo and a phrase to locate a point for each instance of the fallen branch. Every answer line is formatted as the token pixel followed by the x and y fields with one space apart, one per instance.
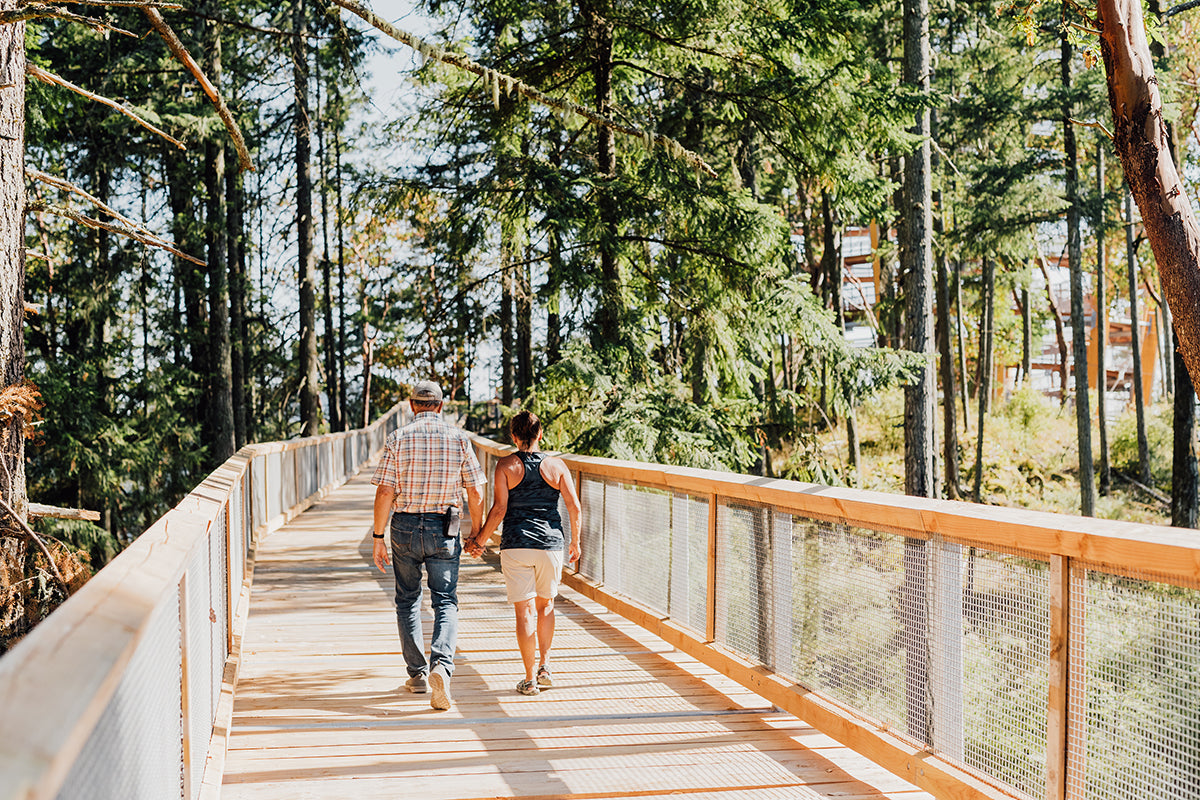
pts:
pixel 1155 493
pixel 51 78
pixel 41 510
pixel 28 531
pixel 180 52
pixel 150 241
pixel 493 79
pixel 70 187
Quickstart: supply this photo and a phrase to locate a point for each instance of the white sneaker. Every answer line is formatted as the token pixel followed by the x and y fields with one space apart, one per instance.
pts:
pixel 439 681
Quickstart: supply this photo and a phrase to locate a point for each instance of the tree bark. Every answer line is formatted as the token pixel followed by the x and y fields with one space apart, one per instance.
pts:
pixel 506 319
pixel 1083 414
pixel 1059 332
pixel 220 412
pixel 920 472
pixel 1185 476
pixel 1102 325
pixel 12 252
pixel 1140 139
pixel 945 354
pixel 310 403
pixel 343 410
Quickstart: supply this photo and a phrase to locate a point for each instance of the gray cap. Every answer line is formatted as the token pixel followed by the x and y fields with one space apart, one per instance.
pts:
pixel 427 392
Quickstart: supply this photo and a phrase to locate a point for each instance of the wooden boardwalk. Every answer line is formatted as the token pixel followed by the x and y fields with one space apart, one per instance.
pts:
pixel 320 711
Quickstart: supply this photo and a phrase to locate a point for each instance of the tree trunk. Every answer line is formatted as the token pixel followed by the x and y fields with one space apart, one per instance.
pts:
pixel 1102 326
pixel 920 473
pixel 12 252
pixel 220 411
pixel 554 271
pixel 524 307
pixel 1140 139
pixel 341 248
pixel 310 403
pixel 1135 331
pixel 984 388
pixel 1059 332
pixel 1185 508
pixel 1026 336
pixel 945 354
pixel 235 198
pixel 960 335
pixel 609 307
pixel 330 343
pixel 368 350
pixel 506 320
pixel 1083 412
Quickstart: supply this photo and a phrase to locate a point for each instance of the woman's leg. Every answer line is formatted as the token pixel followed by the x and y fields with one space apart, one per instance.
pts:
pixel 527 626
pixel 545 628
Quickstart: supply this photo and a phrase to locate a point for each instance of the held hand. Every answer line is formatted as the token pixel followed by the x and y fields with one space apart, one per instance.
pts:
pixel 381 555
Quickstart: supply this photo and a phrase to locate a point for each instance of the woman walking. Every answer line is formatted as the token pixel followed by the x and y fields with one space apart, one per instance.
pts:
pixel 526 489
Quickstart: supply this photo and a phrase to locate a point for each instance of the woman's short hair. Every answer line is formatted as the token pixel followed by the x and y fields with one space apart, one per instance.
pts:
pixel 525 427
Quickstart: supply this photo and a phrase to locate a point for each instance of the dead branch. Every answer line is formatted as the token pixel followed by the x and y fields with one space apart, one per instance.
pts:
pixel 40 11
pixel 123 3
pixel 137 236
pixel 1096 124
pixel 70 187
pixel 180 52
pixel 494 80
pixel 51 78
pixel 36 254
pixel 28 531
pixel 41 510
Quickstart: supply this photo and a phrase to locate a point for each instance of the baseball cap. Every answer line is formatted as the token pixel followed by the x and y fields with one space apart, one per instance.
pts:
pixel 427 392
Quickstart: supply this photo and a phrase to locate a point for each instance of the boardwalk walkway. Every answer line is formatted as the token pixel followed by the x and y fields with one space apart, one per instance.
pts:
pixel 320 711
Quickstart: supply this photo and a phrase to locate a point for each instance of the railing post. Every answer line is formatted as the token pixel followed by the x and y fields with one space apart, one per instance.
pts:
pixel 185 705
pixel 710 625
pixel 1057 706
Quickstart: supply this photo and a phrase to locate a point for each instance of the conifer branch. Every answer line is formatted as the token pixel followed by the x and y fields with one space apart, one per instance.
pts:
pixel 60 183
pixel 137 236
pixel 180 52
pixel 41 11
pixel 497 81
pixel 1096 124
pixel 55 80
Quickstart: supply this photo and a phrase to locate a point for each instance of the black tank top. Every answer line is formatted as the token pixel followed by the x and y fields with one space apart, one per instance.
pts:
pixel 532 520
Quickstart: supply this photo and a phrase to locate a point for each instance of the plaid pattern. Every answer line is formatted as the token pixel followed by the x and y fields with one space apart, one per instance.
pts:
pixel 428 462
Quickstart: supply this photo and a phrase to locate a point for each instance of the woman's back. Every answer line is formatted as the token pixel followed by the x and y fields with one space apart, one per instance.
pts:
pixel 531 519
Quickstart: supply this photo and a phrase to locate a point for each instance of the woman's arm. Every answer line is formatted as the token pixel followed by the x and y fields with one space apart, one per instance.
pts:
pixel 495 516
pixel 561 480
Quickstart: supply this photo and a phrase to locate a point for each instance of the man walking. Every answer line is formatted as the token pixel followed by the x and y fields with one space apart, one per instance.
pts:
pixel 425 466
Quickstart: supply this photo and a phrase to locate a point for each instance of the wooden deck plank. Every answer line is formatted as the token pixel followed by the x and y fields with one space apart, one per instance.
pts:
pixel 320 710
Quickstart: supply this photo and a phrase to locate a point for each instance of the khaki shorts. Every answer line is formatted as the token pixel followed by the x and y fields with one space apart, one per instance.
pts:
pixel 531 573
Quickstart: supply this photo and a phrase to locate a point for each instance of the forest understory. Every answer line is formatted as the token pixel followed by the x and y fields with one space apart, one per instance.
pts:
pixel 1030 456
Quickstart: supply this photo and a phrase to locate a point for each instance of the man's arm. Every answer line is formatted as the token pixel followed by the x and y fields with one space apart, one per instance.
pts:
pixel 475 504
pixel 384 495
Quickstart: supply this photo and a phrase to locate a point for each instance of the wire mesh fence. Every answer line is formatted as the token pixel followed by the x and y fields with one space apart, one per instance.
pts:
pixel 1134 726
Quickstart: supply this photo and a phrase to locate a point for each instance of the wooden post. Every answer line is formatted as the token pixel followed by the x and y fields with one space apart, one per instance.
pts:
pixel 710 629
pixel 185 706
pixel 1057 722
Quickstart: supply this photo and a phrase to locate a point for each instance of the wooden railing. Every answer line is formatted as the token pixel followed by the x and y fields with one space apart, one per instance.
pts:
pixel 117 694
pixel 976 651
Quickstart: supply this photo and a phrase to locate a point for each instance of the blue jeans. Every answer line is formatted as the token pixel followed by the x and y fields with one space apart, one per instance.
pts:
pixel 417 539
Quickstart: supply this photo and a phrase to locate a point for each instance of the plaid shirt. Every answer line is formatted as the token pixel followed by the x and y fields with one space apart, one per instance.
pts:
pixel 428 462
